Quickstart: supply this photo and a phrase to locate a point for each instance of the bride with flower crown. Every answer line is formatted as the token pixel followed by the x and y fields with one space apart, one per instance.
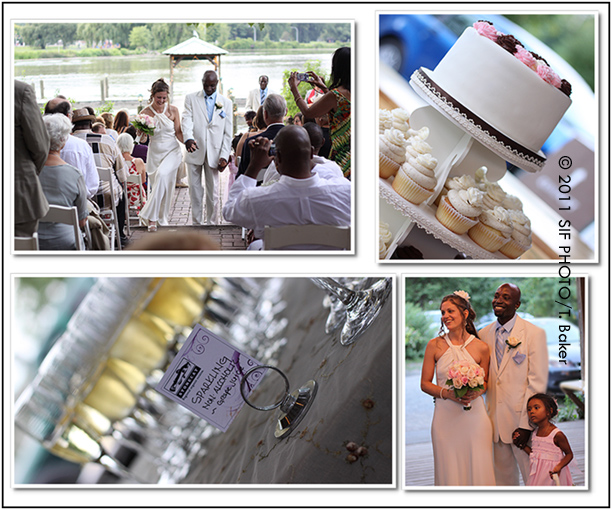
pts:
pixel 461 431
pixel 164 156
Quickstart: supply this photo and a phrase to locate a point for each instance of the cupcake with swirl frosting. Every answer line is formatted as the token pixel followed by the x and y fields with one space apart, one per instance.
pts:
pixel 493 229
pixel 520 240
pixel 392 152
pixel 415 181
pixel 401 121
pixel 512 203
pixel 463 182
pixel 494 195
pixel 459 210
pixel 385 121
pixel 384 239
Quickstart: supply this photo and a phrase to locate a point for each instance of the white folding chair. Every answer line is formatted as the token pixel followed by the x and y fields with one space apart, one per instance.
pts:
pixel 131 213
pixel 109 211
pixel 277 238
pixel 27 243
pixel 68 216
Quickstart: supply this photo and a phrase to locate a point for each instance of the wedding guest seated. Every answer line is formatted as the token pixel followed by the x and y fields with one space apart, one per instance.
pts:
pixel 98 127
pixel 122 121
pixel 108 120
pixel 274 110
pixel 106 155
pixel 258 126
pixel 325 168
pixel 300 197
pixel 135 166
pixel 140 149
pixel 76 152
pixel 62 185
pixel 249 117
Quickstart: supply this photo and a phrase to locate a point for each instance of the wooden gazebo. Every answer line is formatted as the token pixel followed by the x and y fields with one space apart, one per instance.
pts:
pixel 193 49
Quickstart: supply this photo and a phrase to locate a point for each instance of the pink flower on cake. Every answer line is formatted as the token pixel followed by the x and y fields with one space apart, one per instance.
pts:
pixel 526 57
pixel 548 75
pixel 486 30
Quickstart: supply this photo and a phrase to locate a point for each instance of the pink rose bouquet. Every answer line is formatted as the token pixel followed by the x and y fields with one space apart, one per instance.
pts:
pixel 145 123
pixel 464 376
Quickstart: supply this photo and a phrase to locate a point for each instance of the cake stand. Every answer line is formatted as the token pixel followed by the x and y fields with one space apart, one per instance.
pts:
pixel 458 153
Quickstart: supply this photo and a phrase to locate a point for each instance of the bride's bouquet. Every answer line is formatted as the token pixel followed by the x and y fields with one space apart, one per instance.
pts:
pixel 145 123
pixel 464 376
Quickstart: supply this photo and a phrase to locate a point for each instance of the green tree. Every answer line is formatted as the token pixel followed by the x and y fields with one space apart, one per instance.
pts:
pixel 417 332
pixel 140 37
pixel 303 88
pixel 42 34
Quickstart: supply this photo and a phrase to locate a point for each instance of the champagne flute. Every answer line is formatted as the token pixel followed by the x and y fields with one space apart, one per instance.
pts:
pixel 361 305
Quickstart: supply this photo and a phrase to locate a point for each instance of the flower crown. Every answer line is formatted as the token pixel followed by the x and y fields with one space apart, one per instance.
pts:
pixel 462 294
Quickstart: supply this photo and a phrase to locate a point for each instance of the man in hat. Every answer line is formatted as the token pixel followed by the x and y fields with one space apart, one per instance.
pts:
pixel 106 155
pixel 76 152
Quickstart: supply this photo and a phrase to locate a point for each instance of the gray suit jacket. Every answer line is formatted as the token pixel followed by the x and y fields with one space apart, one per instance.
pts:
pixel 31 151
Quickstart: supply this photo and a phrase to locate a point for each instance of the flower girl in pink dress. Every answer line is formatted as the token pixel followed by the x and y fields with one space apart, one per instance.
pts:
pixel 550 451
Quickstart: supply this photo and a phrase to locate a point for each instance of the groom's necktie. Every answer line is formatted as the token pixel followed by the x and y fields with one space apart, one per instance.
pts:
pixel 209 107
pixel 500 343
pixel 263 96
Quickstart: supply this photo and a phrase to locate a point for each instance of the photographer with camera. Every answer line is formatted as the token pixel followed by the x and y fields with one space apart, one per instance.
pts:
pixel 300 197
pixel 335 103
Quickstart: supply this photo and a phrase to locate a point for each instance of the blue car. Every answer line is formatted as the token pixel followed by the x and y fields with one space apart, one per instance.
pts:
pixel 410 41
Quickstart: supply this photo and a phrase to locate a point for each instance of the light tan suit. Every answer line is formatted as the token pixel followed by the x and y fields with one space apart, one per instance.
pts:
pixel 214 140
pixel 523 371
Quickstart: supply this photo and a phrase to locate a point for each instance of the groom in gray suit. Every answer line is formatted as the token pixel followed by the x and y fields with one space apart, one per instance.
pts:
pixel 518 369
pixel 207 131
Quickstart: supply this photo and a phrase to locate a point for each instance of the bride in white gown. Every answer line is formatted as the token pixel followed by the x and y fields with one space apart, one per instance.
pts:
pixel 462 439
pixel 164 156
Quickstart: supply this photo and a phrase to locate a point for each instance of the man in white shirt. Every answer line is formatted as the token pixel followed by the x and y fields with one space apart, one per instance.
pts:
pixel 325 168
pixel 76 152
pixel 300 197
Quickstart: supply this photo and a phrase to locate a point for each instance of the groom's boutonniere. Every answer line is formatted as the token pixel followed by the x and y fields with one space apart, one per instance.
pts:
pixel 513 342
pixel 218 105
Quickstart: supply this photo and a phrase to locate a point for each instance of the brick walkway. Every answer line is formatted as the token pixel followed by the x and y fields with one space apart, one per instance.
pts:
pixel 228 236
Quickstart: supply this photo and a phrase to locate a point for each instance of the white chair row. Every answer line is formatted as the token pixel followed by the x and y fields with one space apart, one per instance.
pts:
pixel 55 214
pixel 277 238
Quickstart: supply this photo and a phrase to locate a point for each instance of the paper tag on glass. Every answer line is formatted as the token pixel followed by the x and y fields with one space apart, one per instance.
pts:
pixel 205 378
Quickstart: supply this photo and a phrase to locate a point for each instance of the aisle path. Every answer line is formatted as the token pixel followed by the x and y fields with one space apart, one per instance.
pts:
pixel 228 236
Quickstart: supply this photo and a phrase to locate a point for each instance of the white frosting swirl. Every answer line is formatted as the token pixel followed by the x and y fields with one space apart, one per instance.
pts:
pixel 385 120
pixel 467 202
pixel 458 183
pixel 416 147
pixel 499 219
pixel 494 196
pixel 393 145
pixel 422 133
pixel 511 202
pixel 401 120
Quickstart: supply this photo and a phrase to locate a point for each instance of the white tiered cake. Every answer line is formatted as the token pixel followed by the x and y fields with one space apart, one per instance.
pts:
pixel 495 97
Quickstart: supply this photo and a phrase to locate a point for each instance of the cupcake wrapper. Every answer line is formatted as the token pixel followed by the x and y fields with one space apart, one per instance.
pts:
pixel 488 238
pixel 512 249
pixel 386 166
pixel 453 219
pixel 409 189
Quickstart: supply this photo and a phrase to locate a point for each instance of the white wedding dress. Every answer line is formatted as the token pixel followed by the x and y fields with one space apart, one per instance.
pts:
pixel 163 160
pixel 462 440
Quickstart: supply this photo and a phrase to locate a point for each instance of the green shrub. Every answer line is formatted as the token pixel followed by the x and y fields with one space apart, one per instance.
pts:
pixel 417 332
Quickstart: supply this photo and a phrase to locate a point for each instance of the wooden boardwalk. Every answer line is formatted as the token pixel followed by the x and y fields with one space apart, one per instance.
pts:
pixel 419 468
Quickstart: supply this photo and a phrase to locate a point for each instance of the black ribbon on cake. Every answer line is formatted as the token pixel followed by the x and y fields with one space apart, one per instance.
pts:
pixel 514 152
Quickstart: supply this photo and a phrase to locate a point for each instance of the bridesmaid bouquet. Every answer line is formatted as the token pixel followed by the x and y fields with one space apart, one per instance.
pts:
pixel 464 376
pixel 145 123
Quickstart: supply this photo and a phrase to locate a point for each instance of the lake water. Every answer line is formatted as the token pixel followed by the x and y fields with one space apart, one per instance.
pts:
pixel 131 76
